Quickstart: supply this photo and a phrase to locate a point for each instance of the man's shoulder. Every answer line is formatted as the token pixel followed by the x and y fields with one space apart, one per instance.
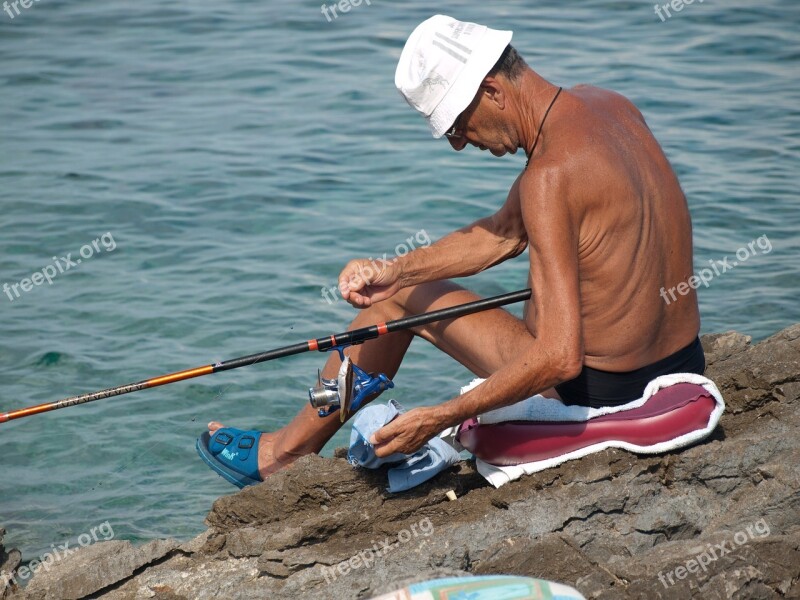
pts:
pixel 582 131
pixel 594 97
pixel 595 109
pixel 544 182
pixel 579 151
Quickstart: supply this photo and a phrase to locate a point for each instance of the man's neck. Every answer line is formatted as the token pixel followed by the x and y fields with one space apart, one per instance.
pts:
pixel 534 95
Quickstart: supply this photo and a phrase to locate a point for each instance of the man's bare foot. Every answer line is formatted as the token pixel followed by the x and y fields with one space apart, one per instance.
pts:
pixel 271 458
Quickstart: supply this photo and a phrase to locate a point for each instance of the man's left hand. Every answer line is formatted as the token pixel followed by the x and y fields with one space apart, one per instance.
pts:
pixel 407 433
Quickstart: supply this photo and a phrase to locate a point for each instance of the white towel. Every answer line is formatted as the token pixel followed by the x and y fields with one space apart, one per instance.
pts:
pixel 538 408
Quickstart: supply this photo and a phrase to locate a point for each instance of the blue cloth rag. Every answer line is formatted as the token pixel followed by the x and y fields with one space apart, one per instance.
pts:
pixel 409 470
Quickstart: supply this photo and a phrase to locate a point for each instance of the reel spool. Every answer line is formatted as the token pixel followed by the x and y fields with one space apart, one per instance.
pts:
pixel 330 395
pixel 347 392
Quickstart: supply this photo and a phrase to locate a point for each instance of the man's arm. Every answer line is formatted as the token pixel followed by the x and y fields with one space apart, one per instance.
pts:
pixel 554 351
pixel 469 250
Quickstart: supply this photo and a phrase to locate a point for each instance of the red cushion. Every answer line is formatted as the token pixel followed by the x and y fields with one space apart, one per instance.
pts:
pixel 670 413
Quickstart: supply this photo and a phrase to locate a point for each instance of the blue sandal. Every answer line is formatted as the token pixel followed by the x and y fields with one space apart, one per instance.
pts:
pixel 233 454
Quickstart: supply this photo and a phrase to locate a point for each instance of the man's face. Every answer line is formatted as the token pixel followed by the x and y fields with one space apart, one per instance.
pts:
pixel 480 125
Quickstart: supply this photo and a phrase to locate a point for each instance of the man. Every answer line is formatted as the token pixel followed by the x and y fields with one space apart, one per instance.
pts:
pixel 604 219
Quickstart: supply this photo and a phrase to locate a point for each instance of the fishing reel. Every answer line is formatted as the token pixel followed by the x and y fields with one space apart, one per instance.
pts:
pixel 348 391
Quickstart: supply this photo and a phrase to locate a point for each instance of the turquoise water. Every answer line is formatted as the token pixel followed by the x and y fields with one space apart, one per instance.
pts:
pixel 236 155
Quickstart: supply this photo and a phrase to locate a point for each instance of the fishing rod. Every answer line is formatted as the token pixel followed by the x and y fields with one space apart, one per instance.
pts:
pixel 336 341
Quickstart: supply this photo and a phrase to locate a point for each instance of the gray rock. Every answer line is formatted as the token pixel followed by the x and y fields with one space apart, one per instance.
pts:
pixel 93 568
pixel 9 561
pixel 720 519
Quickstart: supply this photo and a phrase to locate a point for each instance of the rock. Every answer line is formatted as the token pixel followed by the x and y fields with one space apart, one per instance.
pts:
pixel 9 561
pixel 720 519
pixel 719 346
pixel 764 373
pixel 93 568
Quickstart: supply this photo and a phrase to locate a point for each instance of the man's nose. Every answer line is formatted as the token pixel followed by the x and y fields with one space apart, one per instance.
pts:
pixel 458 143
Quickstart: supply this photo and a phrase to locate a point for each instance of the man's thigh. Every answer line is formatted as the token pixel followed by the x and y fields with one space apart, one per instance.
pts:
pixel 483 342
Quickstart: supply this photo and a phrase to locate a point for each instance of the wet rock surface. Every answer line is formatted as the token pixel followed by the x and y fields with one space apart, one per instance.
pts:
pixel 720 519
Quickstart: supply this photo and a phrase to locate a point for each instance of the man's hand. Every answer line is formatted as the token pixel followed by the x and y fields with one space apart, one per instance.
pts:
pixel 363 282
pixel 407 433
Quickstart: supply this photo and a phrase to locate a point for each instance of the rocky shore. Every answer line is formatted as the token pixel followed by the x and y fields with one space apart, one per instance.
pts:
pixel 718 520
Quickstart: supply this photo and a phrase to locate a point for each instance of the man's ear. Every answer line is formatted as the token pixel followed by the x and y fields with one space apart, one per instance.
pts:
pixel 494 90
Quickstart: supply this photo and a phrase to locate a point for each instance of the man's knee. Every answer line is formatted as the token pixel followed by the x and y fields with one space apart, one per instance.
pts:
pixel 402 303
pixel 427 296
pixel 417 299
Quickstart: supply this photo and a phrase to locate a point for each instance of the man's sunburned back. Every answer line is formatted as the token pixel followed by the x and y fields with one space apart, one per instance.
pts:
pixel 633 227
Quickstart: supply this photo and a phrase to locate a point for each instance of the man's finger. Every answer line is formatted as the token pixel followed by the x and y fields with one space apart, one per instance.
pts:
pixel 344 288
pixel 387 443
pixel 386 449
pixel 383 435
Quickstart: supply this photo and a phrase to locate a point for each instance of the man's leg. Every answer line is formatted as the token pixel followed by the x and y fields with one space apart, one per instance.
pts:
pixel 483 342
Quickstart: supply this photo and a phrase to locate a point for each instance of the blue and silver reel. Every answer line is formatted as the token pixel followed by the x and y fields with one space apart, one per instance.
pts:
pixel 348 391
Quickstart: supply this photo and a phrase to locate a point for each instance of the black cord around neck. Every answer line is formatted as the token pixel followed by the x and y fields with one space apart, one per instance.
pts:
pixel 544 118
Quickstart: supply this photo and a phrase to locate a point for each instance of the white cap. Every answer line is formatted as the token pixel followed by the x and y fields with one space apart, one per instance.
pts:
pixel 442 66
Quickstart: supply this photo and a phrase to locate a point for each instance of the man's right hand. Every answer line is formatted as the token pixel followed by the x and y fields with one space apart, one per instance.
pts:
pixel 363 282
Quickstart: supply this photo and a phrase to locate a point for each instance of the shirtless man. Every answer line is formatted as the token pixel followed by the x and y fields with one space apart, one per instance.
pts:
pixel 604 219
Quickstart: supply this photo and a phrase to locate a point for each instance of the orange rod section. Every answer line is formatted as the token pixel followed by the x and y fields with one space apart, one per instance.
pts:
pixel 27 412
pixel 180 376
